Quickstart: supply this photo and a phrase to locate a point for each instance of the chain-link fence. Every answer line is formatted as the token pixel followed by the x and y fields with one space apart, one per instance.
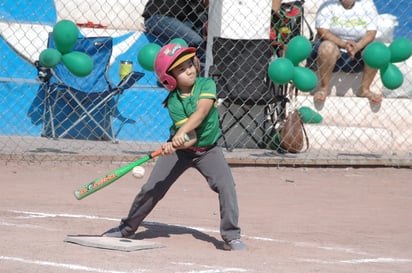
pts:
pixel 236 42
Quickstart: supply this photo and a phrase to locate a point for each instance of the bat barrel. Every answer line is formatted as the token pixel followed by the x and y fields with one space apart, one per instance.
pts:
pixel 107 179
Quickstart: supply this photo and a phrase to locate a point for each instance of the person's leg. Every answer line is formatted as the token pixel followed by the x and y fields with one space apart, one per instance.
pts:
pixel 328 54
pixel 367 79
pixel 213 166
pixel 165 29
pixel 166 171
pixel 357 65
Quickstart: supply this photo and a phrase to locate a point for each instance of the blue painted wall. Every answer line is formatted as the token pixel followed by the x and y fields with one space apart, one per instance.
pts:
pixel 401 9
pixel 28 11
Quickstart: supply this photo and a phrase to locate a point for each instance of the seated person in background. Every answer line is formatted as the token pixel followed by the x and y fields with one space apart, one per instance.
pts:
pixel 344 29
pixel 185 19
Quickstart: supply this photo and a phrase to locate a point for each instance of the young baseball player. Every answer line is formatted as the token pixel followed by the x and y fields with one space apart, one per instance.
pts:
pixel 193 109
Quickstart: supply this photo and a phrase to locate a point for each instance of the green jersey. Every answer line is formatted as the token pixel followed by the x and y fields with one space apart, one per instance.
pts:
pixel 182 106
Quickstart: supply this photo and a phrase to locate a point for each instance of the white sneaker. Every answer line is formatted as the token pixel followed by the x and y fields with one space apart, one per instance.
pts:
pixel 114 233
pixel 236 244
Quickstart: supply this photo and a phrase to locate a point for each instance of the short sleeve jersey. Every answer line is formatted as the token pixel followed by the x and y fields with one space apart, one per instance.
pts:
pixel 181 107
pixel 347 24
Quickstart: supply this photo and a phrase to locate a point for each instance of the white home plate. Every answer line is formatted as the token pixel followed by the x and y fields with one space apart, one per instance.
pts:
pixel 122 244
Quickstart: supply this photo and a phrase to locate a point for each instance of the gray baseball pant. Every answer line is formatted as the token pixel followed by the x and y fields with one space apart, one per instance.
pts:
pixel 213 167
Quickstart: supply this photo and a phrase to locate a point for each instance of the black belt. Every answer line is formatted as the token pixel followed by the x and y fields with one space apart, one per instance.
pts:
pixel 202 149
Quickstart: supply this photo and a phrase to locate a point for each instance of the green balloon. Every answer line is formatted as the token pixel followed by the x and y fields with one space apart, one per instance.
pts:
pixel 65 34
pixel 276 141
pixel 179 41
pixel 147 56
pixel 401 50
pixel 376 55
pixel 50 57
pixel 298 49
pixel 309 116
pixel 304 79
pixel 78 63
pixel 391 76
pixel 281 70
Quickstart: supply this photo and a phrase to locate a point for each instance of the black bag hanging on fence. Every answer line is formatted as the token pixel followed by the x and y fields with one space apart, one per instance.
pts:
pixel 288 23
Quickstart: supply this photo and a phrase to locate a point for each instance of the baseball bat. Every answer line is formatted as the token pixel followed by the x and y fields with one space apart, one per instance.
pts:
pixel 112 176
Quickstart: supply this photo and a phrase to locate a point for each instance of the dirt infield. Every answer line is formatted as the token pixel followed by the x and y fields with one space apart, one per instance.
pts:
pixel 295 220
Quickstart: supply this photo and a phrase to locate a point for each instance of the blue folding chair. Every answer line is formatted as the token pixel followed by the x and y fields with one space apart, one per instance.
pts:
pixel 82 107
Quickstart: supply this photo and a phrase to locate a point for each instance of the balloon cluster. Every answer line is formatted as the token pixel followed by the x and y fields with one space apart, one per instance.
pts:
pixel 379 56
pixel 147 54
pixel 285 69
pixel 65 34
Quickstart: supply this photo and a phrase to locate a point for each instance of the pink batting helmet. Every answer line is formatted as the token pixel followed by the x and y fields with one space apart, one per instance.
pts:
pixel 170 56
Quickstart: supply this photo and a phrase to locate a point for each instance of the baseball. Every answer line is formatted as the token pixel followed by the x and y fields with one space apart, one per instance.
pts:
pixel 138 172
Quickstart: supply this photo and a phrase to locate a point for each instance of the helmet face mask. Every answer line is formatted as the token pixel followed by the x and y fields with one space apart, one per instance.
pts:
pixel 168 56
